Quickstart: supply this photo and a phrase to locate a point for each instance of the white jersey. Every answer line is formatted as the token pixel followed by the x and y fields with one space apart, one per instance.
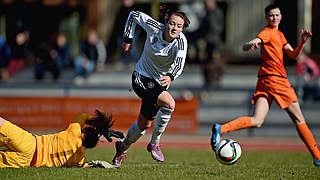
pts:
pixel 159 57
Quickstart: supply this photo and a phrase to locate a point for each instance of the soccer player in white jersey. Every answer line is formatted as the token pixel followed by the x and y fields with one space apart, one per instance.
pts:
pixel 161 62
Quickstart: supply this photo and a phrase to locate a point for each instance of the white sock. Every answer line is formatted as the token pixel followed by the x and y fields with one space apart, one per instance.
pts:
pixel 162 119
pixel 133 135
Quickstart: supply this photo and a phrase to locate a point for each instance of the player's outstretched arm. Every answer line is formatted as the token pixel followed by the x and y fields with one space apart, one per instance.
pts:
pixel 253 44
pixel 294 53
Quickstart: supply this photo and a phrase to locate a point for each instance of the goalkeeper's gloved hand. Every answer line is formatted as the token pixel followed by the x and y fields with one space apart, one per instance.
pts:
pixel 99 164
pixel 112 133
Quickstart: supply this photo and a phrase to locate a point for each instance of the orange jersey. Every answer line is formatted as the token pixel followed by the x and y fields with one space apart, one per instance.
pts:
pixel 273 41
pixel 64 148
pixel 61 149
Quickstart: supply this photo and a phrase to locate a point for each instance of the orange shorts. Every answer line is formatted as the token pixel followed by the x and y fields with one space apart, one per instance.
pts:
pixel 274 87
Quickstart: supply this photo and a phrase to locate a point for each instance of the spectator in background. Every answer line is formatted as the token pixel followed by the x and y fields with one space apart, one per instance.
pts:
pixel 5 55
pixel 307 71
pixel 61 53
pixel 44 62
pixel 213 70
pixel 116 40
pixel 20 54
pixel 195 11
pixel 212 28
pixel 92 57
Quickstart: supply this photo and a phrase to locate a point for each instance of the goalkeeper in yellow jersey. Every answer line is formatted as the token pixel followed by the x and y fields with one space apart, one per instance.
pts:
pixel 63 149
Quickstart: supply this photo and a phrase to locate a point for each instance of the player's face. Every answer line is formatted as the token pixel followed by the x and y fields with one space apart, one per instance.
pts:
pixel 173 27
pixel 274 17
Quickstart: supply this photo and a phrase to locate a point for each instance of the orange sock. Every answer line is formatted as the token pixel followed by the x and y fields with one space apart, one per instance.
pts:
pixel 240 123
pixel 307 137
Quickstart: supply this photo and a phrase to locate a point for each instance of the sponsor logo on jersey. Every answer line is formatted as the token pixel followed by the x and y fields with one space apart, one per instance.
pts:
pixel 150 85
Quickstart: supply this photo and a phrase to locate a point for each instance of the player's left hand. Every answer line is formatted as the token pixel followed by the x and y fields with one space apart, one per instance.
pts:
pixel 305 35
pixel 165 81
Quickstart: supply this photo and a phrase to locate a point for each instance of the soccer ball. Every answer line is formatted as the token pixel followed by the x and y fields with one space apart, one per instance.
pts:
pixel 228 152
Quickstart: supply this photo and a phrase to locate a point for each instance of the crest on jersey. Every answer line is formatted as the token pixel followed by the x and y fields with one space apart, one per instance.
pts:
pixel 150 85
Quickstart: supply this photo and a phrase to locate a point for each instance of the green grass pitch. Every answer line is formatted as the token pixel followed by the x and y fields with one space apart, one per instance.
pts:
pixel 180 164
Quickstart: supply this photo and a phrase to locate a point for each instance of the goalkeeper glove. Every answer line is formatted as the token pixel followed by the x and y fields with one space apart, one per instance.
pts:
pixel 112 133
pixel 99 164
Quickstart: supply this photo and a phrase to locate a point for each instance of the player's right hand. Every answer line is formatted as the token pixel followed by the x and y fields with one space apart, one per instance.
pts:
pixel 165 81
pixel 126 47
pixel 253 44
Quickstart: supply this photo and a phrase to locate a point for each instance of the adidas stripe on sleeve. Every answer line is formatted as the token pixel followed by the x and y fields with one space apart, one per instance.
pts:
pixel 179 61
pixel 145 21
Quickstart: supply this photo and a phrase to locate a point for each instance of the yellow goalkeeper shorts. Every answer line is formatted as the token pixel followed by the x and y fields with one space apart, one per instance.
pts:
pixel 20 145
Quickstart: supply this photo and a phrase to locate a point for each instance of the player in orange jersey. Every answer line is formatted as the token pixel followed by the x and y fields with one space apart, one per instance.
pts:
pixel 272 83
pixel 63 149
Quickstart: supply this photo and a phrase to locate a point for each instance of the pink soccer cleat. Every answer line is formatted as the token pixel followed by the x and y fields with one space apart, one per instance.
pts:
pixel 117 160
pixel 156 152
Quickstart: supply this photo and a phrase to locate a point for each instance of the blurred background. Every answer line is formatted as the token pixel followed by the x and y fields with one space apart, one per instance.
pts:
pixel 44 44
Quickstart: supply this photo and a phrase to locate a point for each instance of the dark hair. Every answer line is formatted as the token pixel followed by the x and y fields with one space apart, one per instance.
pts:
pixel 270 7
pixel 101 122
pixel 91 137
pixel 166 13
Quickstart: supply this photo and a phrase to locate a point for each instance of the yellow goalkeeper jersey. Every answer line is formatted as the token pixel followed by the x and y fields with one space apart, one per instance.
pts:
pixel 63 149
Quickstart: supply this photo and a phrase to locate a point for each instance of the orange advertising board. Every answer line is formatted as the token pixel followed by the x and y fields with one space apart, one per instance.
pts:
pixel 55 113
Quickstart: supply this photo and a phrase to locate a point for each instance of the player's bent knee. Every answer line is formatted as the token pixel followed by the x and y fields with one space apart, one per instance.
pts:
pixel 166 100
pixel 257 123
pixel 171 105
pixel 299 120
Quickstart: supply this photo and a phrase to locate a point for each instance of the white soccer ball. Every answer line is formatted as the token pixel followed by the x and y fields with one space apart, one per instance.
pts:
pixel 228 152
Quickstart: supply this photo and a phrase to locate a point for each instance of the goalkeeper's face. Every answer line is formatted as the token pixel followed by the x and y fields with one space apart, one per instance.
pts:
pixel 89 137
